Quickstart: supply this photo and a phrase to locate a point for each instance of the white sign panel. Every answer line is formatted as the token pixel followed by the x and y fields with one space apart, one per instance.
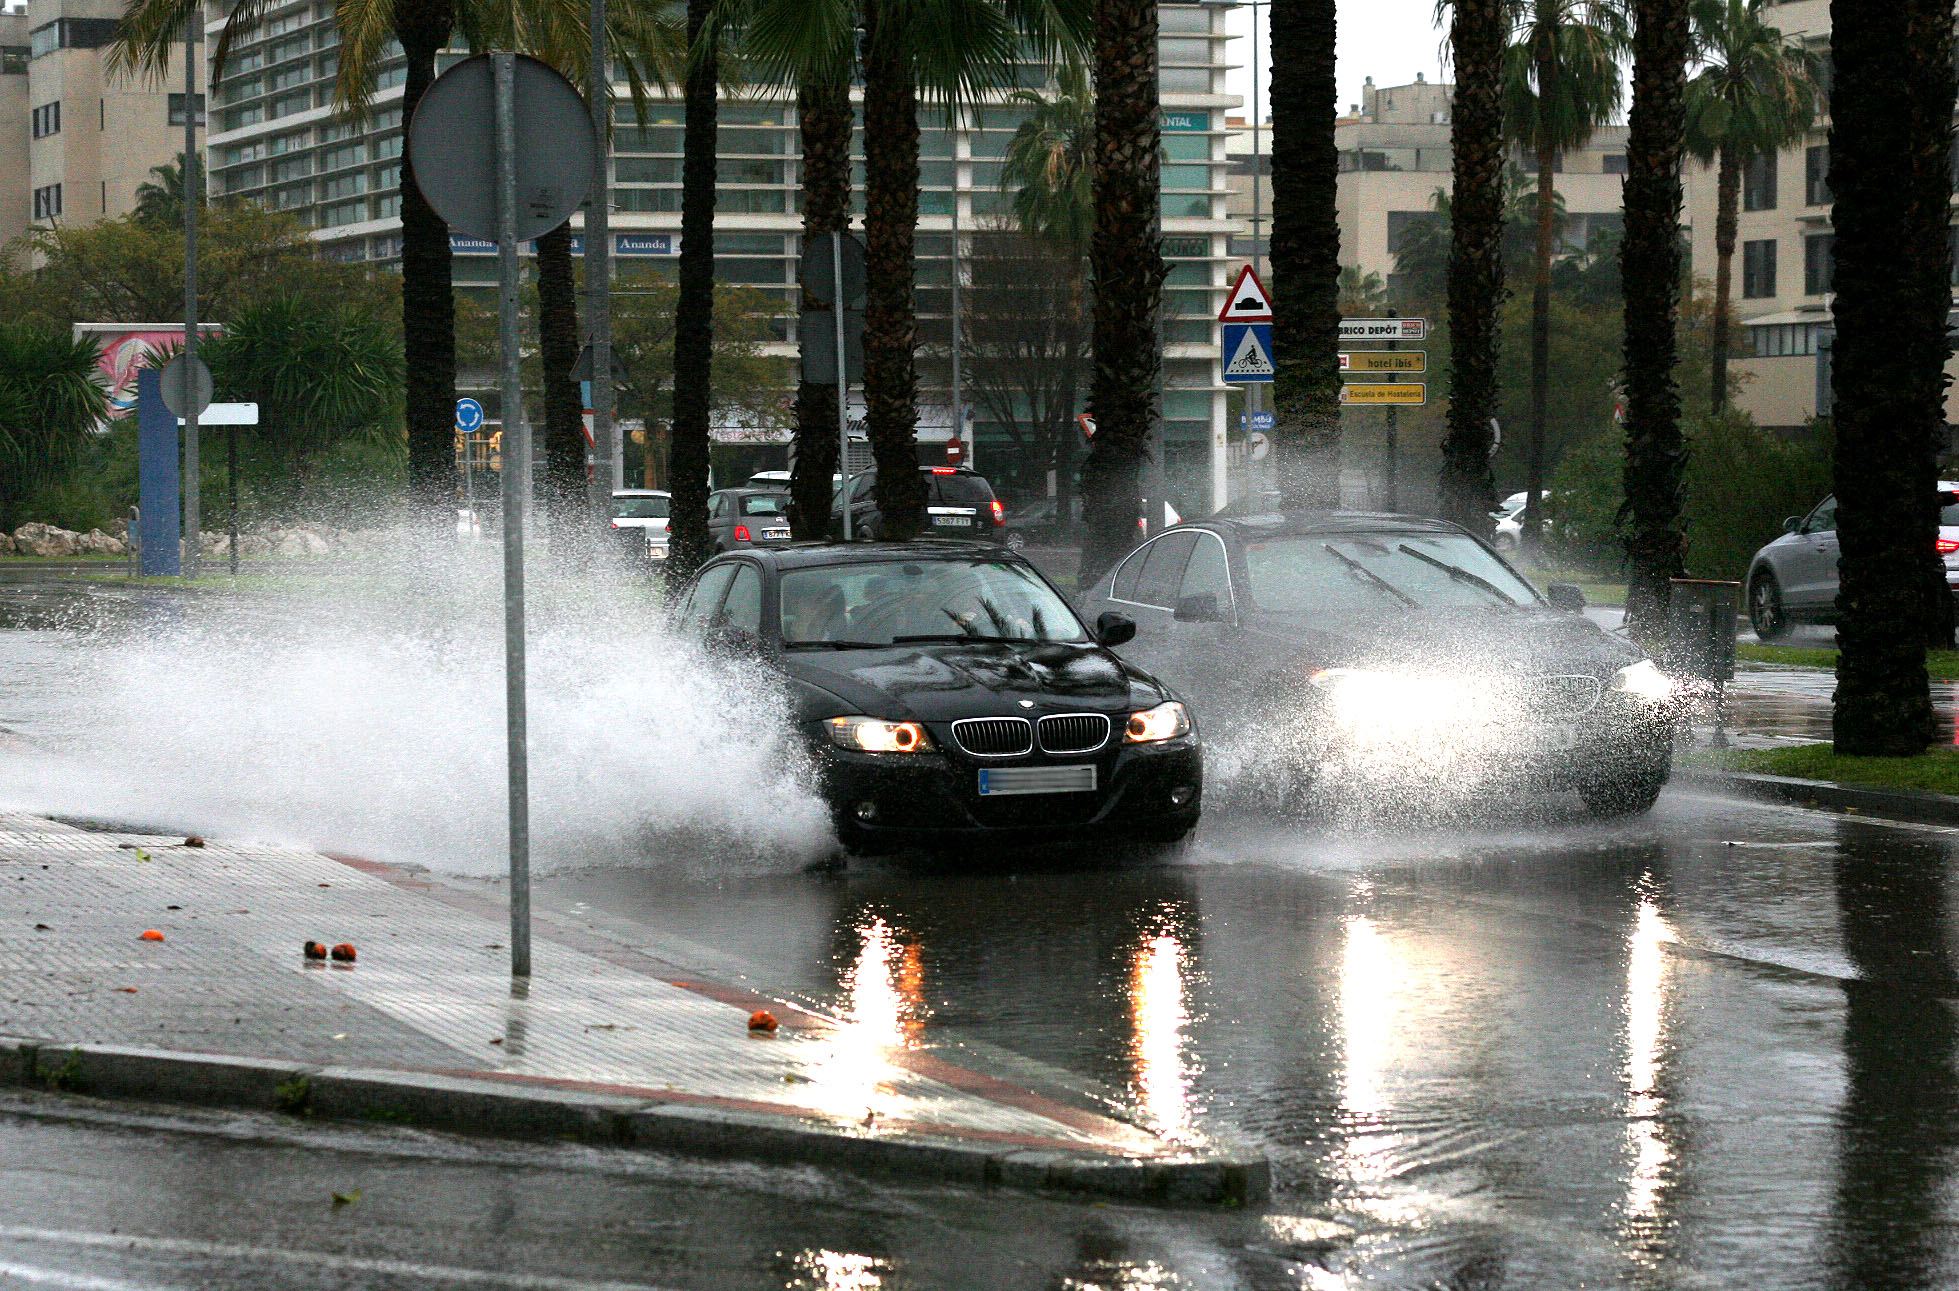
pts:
pixel 1384 329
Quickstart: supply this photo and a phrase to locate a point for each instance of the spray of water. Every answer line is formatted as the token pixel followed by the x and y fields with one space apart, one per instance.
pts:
pixel 366 715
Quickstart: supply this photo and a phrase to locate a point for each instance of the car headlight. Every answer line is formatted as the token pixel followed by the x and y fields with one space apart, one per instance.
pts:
pixel 1643 680
pixel 874 735
pixel 1166 721
pixel 1380 705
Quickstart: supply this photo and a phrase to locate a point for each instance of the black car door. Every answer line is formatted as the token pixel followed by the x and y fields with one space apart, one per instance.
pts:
pixel 1145 588
pixel 1201 658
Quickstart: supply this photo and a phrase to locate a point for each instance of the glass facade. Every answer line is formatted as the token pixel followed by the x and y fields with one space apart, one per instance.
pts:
pixel 275 139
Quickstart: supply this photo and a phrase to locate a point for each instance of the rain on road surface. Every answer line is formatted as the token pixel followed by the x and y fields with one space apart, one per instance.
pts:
pixel 1711 1047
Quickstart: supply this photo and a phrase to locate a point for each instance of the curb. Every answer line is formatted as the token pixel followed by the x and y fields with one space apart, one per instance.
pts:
pixel 1909 805
pixel 505 1107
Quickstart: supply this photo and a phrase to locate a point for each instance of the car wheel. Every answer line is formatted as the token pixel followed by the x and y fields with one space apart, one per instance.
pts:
pixel 1765 612
pixel 1016 540
pixel 1631 794
pixel 1506 543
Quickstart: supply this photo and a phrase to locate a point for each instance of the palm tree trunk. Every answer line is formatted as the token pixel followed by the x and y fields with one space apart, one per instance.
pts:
pixel 890 316
pixel 1477 34
pixel 1726 218
pixel 1126 264
pixel 693 318
pixel 1650 271
pixel 1891 303
pixel 1305 254
pixel 564 414
pixel 1540 301
pixel 428 305
pixel 823 115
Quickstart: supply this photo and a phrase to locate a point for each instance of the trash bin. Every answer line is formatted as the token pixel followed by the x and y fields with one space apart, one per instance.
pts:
pixel 1701 629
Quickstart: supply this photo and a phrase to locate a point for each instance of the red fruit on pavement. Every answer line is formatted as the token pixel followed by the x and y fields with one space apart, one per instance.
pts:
pixel 344 953
pixel 314 950
pixel 762 1020
pixel 150 934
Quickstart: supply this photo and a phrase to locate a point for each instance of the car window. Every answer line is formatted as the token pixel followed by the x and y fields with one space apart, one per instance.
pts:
pixel 765 504
pixel 875 602
pixel 1208 571
pixel 962 490
pixel 1163 569
pixel 1345 575
pixel 640 508
pixel 743 608
pixel 705 598
pixel 1123 586
pixel 1824 518
pixel 862 486
pixel 716 505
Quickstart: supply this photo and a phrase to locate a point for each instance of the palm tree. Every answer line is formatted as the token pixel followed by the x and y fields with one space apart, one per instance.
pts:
pixel 1305 254
pixel 160 201
pixel 1561 83
pixel 52 395
pixel 1756 92
pixel 151 31
pixel 693 324
pixel 1890 143
pixel 1650 273
pixel 1477 31
pixel 1361 293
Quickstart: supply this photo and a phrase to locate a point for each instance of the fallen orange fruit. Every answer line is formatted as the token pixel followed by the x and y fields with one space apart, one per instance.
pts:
pixel 314 950
pixel 344 952
pixel 761 1020
pixel 150 934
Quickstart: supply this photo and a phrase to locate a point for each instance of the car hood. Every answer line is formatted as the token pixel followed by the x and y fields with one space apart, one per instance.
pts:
pixel 1533 640
pixel 940 682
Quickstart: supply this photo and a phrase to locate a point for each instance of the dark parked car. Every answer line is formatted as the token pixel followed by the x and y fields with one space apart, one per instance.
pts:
pixel 950 695
pixel 958 504
pixel 1393 652
pixel 1040 523
pixel 742 517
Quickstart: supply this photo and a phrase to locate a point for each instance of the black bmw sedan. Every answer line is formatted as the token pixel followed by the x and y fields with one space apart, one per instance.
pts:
pixel 950 695
pixel 1391 654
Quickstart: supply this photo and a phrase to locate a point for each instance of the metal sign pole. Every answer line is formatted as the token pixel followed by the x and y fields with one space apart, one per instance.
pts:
pixel 958 391
pixel 187 164
pixel 843 376
pixel 516 477
pixel 1391 485
pixel 606 450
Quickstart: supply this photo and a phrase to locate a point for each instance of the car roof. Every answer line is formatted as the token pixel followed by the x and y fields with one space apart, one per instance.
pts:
pixel 752 488
pixel 801 555
pixel 641 493
pixel 1278 524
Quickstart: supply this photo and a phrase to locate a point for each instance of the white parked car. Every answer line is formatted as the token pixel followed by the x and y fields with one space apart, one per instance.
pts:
pixel 1794 578
pixel 1509 517
pixel 647 510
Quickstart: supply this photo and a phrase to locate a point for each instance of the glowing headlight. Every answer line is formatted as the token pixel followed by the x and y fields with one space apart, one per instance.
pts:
pixel 1643 680
pixel 873 735
pixel 1384 701
pixel 1166 721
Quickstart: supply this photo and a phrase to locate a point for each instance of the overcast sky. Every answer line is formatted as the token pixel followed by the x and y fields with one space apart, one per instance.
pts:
pixel 1389 40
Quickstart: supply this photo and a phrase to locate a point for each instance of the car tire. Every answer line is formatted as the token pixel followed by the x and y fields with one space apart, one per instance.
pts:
pixel 1765 612
pixel 1630 794
pixel 1016 540
pixel 1505 543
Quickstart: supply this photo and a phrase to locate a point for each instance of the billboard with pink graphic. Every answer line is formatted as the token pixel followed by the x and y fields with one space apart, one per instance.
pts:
pixel 122 349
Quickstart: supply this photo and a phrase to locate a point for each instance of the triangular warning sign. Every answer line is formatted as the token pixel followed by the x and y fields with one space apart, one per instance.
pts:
pixel 1248 301
pixel 1250 358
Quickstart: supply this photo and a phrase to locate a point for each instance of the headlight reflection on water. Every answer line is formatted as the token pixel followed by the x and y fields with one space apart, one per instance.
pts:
pixel 1160 1016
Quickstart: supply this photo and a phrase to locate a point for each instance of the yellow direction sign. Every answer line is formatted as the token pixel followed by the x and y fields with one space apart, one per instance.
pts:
pixel 1384 360
pixel 1405 392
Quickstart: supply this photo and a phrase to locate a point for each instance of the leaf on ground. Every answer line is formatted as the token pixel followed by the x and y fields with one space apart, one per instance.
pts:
pixel 346 1198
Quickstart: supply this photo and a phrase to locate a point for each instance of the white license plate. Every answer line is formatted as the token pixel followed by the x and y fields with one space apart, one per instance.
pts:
pixel 995 782
pixel 1554 736
pixel 956 522
pixel 656 553
pixel 772 535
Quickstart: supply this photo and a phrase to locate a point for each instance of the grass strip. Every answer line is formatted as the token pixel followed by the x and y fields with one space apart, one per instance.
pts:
pixel 1943 665
pixel 1936 771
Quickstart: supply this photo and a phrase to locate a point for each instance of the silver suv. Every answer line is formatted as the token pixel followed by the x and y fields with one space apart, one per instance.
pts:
pixel 1794 579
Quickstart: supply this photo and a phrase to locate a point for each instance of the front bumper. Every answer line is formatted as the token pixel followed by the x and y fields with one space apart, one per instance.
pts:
pixel 928 799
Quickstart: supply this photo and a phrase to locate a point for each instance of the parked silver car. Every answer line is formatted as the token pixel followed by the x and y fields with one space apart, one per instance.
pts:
pixel 1794 579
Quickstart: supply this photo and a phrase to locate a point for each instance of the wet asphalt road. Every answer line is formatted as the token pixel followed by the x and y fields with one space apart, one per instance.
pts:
pixel 1713 1047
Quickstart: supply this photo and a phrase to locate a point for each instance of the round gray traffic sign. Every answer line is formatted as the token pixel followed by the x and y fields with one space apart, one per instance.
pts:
pixel 176 398
pixel 453 145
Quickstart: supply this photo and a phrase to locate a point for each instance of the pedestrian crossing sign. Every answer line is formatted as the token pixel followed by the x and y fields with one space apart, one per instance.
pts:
pixel 1247 351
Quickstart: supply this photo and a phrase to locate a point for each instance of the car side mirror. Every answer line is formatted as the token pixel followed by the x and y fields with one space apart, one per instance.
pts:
pixel 1566 597
pixel 736 643
pixel 1112 629
pixel 1199 607
pixel 1794 524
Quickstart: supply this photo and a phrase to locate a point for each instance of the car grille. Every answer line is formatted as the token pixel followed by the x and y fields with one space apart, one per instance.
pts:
pixel 1074 732
pixel 1568 696
pixel 994 737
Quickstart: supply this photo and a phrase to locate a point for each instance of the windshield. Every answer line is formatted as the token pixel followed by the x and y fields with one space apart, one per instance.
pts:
pixel 963 490
pixel 882 602
pixel 1361 574
pixel 639 508
pixel 766 504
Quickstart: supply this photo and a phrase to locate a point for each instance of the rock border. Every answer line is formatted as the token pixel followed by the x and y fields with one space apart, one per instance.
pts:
pixel 515 1107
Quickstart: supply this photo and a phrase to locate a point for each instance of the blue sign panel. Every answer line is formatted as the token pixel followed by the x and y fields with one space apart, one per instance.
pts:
pixel 158 476
pixel 1256 421
pixel 647 244
pixel 1183 121
pixel 1246 353
pixel 469 415
pixel 461 245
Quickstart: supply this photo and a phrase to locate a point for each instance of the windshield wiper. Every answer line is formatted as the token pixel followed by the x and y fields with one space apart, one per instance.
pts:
pixel 1459 574
pixel 957 636
pixel 834 645
pixel 1371 576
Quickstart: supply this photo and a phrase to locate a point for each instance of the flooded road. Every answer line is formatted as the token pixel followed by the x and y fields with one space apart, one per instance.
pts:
pixel 1712 1047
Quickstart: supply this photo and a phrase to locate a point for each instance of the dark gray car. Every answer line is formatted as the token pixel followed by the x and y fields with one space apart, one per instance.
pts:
pixel 738 518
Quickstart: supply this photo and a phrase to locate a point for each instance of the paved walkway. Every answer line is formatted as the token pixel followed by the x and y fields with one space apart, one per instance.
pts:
pixel 431 993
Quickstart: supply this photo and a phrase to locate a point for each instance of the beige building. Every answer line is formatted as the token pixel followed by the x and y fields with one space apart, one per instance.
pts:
pixel 75 142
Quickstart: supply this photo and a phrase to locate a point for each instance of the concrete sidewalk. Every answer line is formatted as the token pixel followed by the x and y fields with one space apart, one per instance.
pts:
pixel 603 1042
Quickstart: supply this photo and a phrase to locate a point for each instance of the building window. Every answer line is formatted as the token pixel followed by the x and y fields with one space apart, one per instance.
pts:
pixel 287 105
pixel 1758 183
pixel 342 213
pixel 1816 176
pixel 1615 163
pixel 46 119
pixel 1758 269
pixel 1781 340
pixel 1184 80
pixel 1819 264
pixel 292 168
pixel 177 109
pixel 47 202
pixel 71 33
pixel 13 60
